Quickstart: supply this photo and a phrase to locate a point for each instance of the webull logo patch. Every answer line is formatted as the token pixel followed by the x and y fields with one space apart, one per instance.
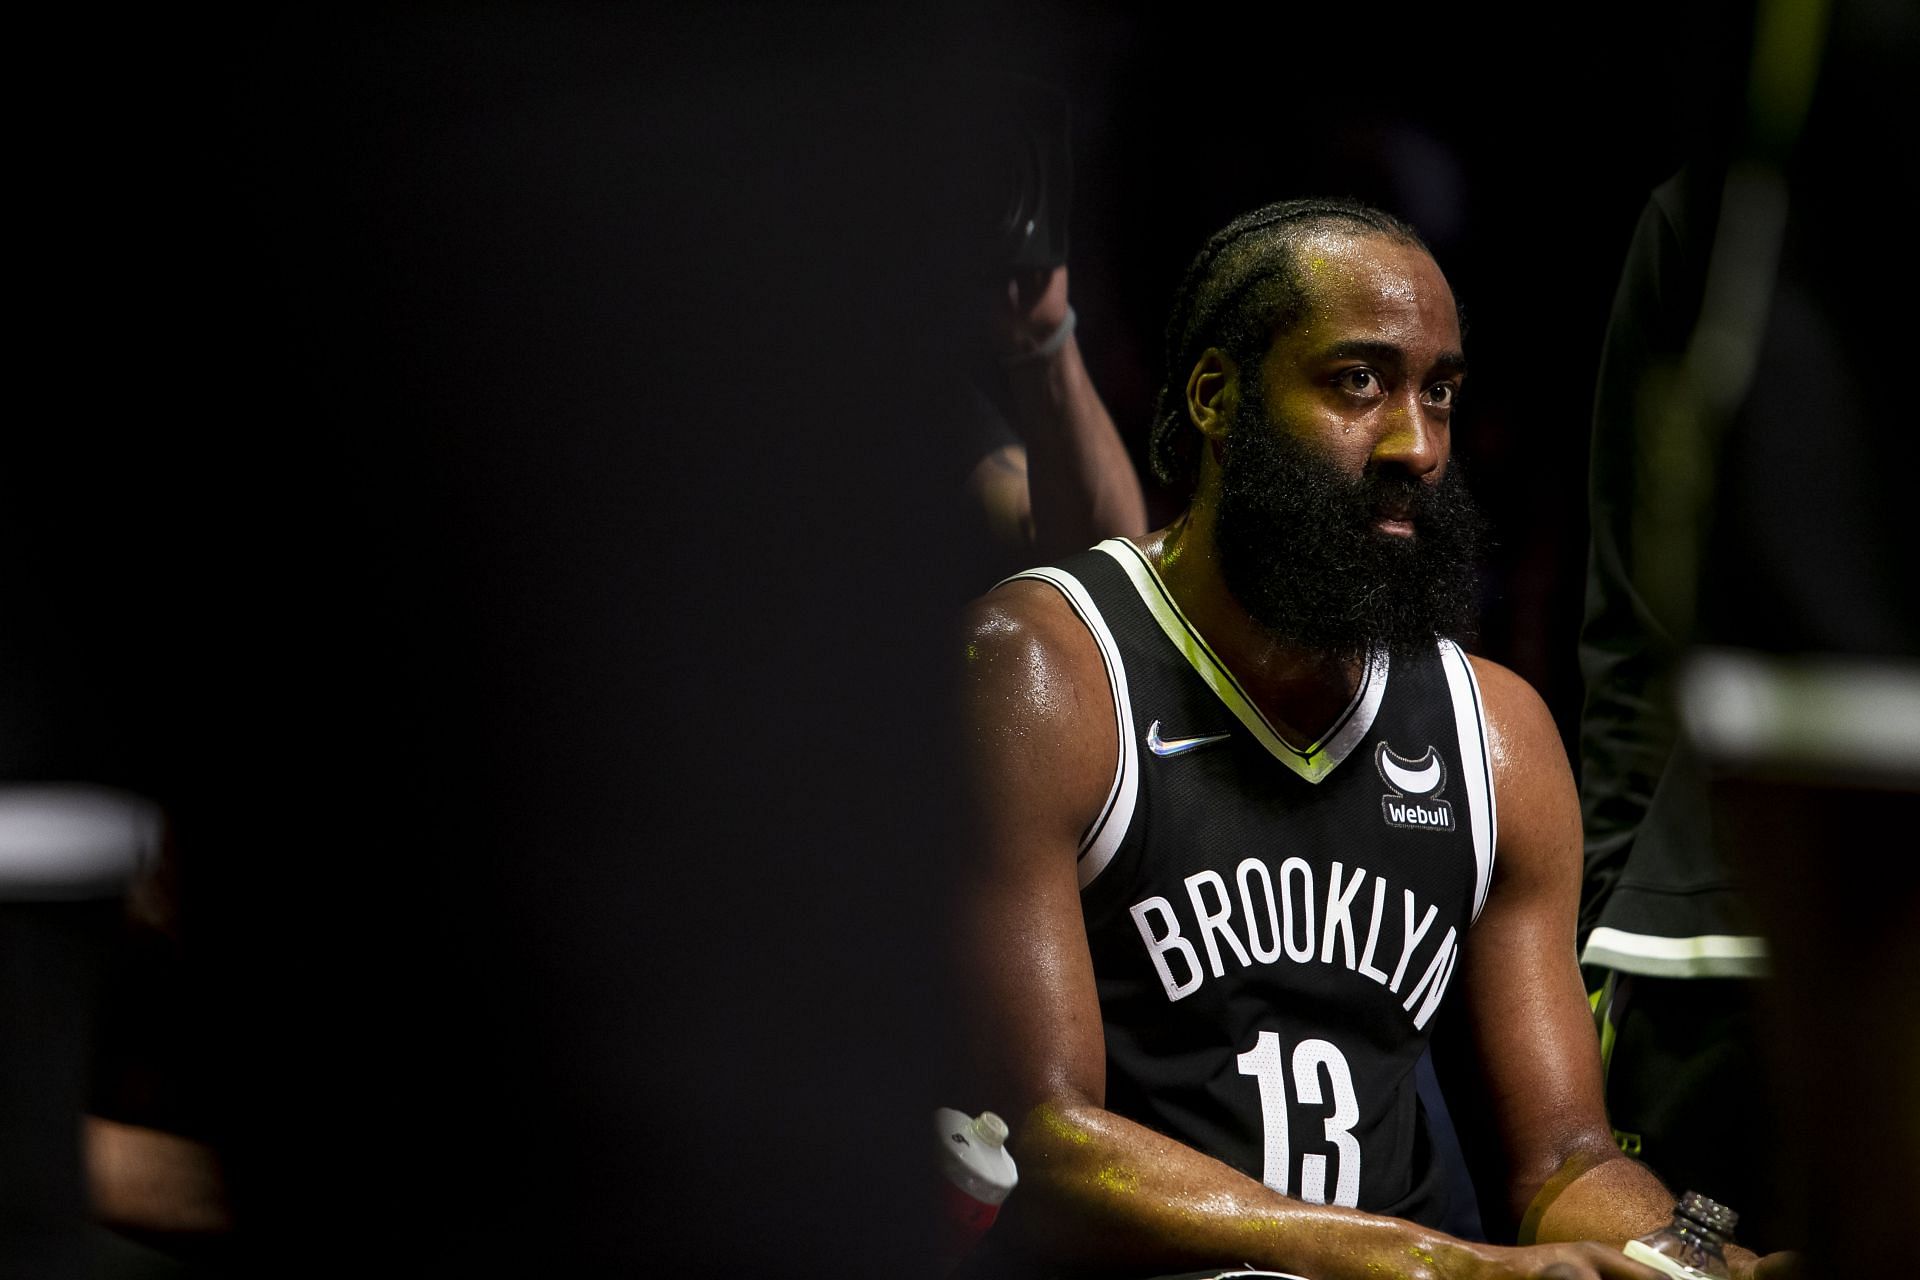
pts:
pixel 1416 785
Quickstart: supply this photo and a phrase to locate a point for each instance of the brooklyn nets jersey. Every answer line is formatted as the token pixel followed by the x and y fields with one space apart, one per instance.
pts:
pixel 1273 928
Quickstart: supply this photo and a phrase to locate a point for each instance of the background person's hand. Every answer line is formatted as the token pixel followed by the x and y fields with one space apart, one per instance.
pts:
pixel 1029 310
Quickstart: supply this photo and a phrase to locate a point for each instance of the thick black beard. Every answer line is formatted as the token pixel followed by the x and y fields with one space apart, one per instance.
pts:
pixel 1298 550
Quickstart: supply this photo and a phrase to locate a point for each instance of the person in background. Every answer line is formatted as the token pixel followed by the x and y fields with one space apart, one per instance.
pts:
pixel 1753 701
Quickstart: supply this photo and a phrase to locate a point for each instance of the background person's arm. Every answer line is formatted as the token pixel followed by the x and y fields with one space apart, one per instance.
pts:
pixel 1628 651
pixel 1080 483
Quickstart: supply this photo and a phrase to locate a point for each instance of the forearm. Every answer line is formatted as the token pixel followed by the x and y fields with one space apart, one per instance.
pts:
pixel 154 1184
pixel 1082 482
pixel 1098 1189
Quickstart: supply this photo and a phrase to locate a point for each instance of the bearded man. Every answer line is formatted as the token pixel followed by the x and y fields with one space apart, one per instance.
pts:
pixel 1250 815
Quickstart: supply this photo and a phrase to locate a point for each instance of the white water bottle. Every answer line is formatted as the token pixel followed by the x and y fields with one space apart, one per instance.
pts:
pixel 977 1175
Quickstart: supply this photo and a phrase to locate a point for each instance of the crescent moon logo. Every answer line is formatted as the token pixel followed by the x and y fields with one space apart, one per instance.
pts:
pixel 1411 777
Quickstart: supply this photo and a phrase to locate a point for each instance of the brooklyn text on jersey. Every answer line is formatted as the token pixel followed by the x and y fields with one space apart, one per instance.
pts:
pixel 1279 918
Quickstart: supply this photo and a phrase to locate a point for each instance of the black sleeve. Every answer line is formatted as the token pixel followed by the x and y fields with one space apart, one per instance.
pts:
pixel 1627 653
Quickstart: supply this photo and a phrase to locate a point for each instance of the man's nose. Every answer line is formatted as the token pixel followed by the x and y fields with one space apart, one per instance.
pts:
pixel 1412 440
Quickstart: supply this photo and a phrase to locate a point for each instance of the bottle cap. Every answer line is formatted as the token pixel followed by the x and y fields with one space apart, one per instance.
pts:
pixel 990 1129
pixel 1710 1214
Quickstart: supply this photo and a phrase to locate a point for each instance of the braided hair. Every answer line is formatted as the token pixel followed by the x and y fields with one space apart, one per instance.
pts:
pixel 1241 290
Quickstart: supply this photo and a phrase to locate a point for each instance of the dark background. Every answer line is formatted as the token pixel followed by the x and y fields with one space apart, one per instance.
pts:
pixel 481 484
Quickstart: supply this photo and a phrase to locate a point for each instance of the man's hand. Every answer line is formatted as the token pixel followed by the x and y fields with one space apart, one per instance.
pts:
pixel 1603 1262
pixel 1564 1262
pixel 1775 1266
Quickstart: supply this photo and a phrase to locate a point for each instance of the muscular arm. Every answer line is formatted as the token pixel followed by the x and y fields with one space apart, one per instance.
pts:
pixel 1096 1187
pixel 1539 1060
pixel 1538 1057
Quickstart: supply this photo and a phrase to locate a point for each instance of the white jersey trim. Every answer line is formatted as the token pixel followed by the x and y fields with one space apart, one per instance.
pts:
pixel 1313 763
pixel 1476 764
pixel 1711 955
pixel 1103 837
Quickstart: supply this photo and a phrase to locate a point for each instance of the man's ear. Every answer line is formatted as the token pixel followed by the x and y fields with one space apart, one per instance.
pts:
pixel 1213 389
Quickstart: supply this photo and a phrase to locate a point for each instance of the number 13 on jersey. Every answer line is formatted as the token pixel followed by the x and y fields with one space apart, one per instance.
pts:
pixel 1266 1062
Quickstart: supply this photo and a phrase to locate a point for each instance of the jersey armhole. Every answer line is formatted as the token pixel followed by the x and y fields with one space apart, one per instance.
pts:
pixel 1103 836
pixel 1476 765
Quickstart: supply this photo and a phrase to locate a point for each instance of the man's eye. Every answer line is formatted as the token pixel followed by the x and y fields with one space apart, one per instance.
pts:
pixel 1442 395
pixel 1362 382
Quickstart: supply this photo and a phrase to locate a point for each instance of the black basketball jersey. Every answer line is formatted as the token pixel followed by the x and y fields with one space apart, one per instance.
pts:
pixel 1273 928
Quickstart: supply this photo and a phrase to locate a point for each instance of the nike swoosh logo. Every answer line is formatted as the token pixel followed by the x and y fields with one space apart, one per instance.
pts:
pixel 1178 746
pixel 1417 780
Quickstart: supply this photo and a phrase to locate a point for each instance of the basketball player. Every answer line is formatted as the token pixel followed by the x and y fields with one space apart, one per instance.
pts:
pixel 1249 817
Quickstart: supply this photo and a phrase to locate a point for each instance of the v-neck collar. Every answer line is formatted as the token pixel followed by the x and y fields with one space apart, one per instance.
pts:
pixel 1312 763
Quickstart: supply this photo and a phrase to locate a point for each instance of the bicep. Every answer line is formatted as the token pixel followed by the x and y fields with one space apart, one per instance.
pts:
pixel 1039 743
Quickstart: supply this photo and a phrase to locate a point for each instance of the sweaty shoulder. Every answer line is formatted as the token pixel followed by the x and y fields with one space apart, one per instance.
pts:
pixel 1038 708
pixel 1521 735
pixel 1532 780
